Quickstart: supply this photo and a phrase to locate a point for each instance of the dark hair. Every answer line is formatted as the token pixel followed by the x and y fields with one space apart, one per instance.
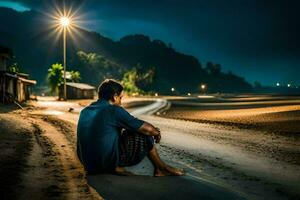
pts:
pixel 108 88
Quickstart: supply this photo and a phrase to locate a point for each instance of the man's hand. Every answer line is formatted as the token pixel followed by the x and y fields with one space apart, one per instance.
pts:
pixel 149 129
pixel 158 136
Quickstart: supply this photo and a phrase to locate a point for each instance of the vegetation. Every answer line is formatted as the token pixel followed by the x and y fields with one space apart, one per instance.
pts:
pixel 129 82
pixel 14 68
pixel 96 67
pixel 55 77
pixel 135 81
pixel 101 58
pixel 218 81
pixel 75 76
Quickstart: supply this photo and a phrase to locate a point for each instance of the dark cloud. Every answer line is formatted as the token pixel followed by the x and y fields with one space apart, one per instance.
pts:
pixel 250 37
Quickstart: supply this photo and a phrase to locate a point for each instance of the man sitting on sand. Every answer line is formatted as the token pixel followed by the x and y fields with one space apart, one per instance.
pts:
pixel 109 138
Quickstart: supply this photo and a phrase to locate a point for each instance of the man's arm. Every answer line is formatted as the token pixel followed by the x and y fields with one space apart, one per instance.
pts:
pixel 127 121
pixel 149 129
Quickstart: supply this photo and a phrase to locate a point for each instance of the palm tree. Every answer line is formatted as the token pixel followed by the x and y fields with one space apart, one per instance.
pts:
pixel 55 77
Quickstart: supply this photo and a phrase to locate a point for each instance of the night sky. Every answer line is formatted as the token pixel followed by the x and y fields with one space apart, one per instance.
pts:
pixel 257 39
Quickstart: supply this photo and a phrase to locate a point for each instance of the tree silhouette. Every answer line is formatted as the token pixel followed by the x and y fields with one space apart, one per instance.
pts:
pixel 213 68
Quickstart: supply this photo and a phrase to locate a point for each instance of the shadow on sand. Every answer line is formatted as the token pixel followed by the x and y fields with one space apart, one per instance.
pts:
pixel 6 108
pixel 146 187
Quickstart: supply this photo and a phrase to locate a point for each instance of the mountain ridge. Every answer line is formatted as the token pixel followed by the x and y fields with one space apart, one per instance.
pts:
pixel 35 50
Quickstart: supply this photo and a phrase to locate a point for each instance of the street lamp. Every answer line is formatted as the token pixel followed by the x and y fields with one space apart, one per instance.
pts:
pixel 65 22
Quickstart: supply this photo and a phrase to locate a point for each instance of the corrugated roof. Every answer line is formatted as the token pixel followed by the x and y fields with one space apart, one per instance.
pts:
pixel 80 85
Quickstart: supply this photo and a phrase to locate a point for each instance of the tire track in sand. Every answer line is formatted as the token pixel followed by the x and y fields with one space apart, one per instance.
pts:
pixel 71 174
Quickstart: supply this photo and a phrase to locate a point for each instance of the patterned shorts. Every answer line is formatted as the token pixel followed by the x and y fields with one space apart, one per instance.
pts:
pixel 133 147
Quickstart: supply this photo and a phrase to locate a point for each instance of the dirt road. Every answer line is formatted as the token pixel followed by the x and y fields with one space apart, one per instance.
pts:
pixel 47 167
pixel 249 161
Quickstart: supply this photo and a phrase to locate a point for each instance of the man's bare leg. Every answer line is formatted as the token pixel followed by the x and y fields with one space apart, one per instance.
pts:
pixel 122 172
pixel 161 168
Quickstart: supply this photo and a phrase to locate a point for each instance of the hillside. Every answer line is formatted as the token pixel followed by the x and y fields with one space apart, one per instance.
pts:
pixel 35 50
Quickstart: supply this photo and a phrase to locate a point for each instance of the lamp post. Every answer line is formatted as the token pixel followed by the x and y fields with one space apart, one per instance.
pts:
pixel 65 21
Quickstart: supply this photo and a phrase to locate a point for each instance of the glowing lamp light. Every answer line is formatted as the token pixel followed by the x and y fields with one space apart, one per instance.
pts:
pixel 64 21
pixel 203 86
pixel 277 84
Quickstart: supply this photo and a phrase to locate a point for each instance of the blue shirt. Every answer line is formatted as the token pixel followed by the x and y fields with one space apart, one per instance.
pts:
pixel 98 132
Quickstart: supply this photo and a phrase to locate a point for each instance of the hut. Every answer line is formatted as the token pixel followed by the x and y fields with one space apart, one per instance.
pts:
pixel 77 91
pixel 13 86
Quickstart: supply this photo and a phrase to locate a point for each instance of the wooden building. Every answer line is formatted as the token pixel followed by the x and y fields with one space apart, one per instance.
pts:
pixel 77 91
pixel 13 86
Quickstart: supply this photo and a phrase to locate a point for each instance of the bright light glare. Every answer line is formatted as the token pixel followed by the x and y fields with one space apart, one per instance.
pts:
pixel 64 21
pixel 61 18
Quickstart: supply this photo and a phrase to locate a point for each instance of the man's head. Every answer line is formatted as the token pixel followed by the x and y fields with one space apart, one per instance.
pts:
pixel 111 90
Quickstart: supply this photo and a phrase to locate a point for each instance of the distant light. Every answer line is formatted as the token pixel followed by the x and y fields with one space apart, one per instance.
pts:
pixel 203 86
pixel 189 94
pixel 277 84
pixel 64 21
pixel 172 89
pixel 156 94
pixel 289 85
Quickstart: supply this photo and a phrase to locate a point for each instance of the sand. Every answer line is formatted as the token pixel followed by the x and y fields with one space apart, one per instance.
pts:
pixel 40 159
pixel 49 151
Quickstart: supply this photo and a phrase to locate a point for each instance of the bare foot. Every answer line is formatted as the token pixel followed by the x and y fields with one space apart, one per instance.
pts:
pixel 122 172
pixel 168 171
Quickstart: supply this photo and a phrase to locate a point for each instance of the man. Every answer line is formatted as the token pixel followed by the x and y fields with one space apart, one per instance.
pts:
pixel 109 138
